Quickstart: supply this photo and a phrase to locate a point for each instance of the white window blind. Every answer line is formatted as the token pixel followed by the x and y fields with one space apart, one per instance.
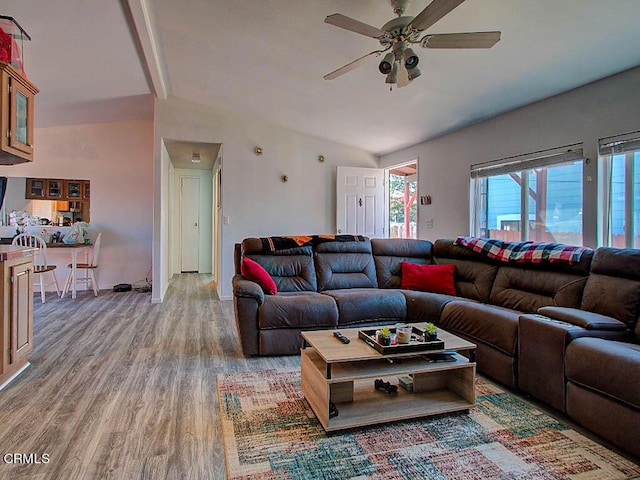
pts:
pixel 628 142
pixel 544 158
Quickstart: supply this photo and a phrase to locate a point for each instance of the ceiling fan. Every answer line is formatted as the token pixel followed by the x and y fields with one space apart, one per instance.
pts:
pixel 400 65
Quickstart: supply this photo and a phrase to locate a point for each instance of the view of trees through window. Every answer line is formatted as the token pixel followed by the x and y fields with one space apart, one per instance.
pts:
pixel 403 211
pixel 542 204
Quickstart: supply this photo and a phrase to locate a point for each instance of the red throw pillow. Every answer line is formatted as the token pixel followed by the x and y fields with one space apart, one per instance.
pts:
pixel 253 271
pixel 428 278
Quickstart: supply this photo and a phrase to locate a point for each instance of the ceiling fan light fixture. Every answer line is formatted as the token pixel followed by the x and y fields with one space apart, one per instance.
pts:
pixel 386 64
pixel 392 77
pixel 414 73
pixel 410 59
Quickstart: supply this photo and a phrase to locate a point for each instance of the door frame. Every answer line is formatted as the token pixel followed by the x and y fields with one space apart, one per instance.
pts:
pixel 387 199
pixel 181 221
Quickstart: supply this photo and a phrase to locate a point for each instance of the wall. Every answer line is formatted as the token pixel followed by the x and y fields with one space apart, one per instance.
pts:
pixel 117 158
pixel 254 199
pixel 597 110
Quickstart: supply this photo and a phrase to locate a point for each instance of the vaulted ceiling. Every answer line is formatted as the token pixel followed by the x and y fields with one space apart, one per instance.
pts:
pixel 98 61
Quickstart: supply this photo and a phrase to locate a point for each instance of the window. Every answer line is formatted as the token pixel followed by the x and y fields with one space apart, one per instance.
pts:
pixel 535 197
pixel 620 189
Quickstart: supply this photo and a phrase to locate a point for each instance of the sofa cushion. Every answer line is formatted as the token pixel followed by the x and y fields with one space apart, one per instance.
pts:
pixel 474 273
pixel 292 269
pixel 425 306
pixel 528 287
pixel 613 287
pixel 298 310
pixel 368 305
pixel 494 326
pixel 253 271
pixel 605 366
pixel 428 278
pixel 389 253
pixel 345 265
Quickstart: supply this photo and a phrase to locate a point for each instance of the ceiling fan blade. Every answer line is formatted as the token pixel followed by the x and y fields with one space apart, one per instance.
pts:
pixel 353 25
pixel 434 12
pixel 351 66
pixel 461 40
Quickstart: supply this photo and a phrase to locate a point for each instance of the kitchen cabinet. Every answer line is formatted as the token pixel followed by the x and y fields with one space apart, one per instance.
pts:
pixel 16 116
pixel 73 189
pixel 16 310
pixel 36 188
pixel 55 189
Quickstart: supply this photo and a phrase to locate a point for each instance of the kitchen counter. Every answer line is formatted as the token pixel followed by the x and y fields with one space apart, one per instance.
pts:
pixel 9 252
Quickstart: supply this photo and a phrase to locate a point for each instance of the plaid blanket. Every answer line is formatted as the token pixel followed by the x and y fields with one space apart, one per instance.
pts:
pixel 272 244
pixel 533 252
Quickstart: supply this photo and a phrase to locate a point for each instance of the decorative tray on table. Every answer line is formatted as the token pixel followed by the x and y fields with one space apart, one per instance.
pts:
pixel 416 344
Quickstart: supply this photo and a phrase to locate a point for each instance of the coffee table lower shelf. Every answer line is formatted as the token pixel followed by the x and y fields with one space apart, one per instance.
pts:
pixel 438 388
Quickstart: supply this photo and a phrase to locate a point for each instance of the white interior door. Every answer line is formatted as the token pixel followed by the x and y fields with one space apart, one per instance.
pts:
pixel 189 224
pixel 360 202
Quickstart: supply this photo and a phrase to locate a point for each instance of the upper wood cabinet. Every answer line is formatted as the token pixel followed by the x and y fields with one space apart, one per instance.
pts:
pixel 56 189
pixel 73 189
pixel 36 189
pixel 16 116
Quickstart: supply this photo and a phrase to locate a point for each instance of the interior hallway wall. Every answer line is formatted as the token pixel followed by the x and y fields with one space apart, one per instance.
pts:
pixel 255 201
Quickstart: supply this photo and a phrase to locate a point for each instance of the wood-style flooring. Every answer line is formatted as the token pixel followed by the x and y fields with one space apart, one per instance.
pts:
pixel 120 388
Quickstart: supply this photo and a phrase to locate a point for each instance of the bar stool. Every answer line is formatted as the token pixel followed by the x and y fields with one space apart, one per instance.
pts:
pixel 40 265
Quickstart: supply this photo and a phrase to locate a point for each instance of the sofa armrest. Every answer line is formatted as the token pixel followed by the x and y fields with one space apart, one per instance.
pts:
pixel 246 288
pixel 582 318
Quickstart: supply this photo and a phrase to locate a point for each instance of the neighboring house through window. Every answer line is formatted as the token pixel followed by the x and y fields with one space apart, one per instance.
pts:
pixel 533 197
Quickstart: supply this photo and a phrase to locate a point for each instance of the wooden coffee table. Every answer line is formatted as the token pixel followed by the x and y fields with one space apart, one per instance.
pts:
pixel 344 374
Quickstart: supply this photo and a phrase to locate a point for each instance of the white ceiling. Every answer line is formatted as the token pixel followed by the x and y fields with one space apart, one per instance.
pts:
pixel 266 58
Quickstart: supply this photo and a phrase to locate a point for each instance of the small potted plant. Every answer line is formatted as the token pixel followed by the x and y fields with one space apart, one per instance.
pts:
pixel 384 336
pixel 430 332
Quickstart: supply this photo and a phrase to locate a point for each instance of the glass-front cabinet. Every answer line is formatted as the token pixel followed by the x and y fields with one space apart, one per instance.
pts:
pixel 17 121
pixel 73 189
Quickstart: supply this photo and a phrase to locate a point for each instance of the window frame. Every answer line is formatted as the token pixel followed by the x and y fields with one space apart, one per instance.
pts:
pixel 522 165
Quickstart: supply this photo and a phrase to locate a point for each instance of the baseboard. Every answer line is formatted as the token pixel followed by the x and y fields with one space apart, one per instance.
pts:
pixel 13 377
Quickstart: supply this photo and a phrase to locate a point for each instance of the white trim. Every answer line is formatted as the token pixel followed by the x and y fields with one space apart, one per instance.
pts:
pixel 13 377
pixel 149 43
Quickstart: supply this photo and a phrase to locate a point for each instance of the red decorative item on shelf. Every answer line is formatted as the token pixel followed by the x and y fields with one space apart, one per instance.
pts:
pixel 12 38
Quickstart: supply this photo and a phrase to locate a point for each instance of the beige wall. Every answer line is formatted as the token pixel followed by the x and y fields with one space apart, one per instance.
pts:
pixel 254 199
pixel 597 110
pixel 118 159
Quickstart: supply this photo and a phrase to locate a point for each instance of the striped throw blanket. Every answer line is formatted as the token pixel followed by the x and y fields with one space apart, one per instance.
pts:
pixel 273 244
pixel 532 252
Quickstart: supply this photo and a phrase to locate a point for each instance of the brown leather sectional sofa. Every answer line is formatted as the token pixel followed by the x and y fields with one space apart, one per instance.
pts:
pixel 566 334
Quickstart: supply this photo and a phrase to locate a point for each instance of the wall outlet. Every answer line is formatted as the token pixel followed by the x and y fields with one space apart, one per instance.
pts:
pixel 225 219
pixel 428 223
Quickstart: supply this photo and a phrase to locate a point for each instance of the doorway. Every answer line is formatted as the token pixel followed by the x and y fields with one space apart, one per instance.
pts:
pixel 192 234
pixel 402 194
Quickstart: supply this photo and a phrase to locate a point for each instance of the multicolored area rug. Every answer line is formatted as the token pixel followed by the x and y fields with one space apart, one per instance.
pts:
pixel 270 432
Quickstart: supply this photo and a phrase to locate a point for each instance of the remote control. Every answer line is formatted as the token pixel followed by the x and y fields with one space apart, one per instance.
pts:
pixel 341 337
